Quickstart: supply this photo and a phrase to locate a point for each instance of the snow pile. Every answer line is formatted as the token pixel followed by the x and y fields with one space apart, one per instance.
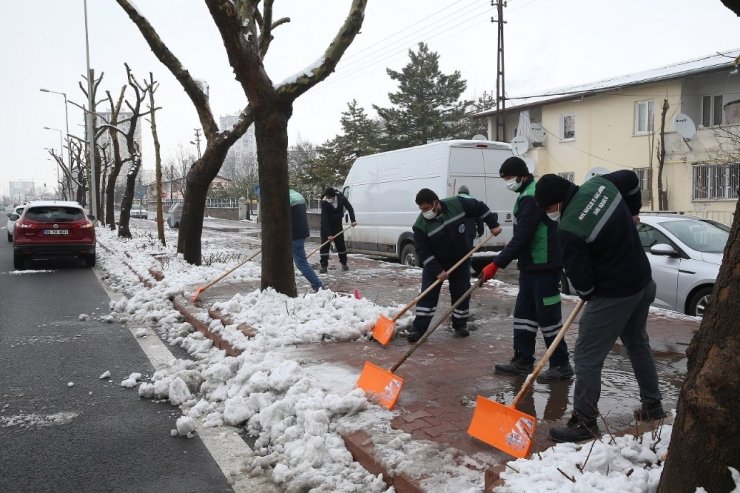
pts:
pixel 296 409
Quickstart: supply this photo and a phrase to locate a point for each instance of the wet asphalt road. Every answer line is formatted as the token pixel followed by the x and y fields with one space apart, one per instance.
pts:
pixel 93 435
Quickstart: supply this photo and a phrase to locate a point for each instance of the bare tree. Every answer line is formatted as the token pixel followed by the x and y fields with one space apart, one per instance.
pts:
pixel 157 159
pixel 93 170
pixel 704 439
pixel 116 160
pixel 141 92
pixel 247 33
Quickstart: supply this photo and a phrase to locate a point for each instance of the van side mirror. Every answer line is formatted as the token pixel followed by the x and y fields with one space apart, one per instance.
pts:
pixel 664 250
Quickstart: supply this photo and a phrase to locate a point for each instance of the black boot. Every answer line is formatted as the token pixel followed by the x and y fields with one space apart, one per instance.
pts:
pixel 576 430
pixel 461 331
pixel 556 373
pixel 517 366
pixel 650 412
pixel 322 270
pixel 345 267
pixel 415 334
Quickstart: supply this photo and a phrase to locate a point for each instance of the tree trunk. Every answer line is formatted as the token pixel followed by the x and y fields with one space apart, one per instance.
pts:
pixel 705 434
pixel 157 164
pixel 271 133
pixel 197 181
pixel 662 198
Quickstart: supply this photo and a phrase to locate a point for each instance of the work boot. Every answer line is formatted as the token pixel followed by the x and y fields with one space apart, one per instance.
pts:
pixel 345 267
pixel 556 373
pixel 576 430
pixel 516 367
pixel 650 412
pixel 415 334
pixel 322 270
pixel 461 331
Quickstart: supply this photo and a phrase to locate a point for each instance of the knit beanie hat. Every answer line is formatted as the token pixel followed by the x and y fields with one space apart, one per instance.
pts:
pixel 464 189
pixel 551 189
pixel 330 192
pixel 514 166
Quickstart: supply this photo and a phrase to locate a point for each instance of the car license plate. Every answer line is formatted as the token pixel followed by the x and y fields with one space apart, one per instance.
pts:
pixel 56 231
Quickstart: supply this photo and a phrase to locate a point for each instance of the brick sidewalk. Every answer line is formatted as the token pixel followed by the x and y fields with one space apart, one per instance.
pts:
pixel 443 377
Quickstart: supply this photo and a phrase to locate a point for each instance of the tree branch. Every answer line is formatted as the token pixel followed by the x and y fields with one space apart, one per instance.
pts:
pixel 169 60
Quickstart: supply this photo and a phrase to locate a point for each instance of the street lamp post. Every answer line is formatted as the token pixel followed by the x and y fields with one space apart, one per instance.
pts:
pixel 66 120
pixel 90 126
pixel 61 148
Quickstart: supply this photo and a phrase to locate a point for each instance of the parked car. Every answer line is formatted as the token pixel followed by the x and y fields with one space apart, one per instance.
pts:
pixel 18 210
pixel 685 254
pixel 52 229
pixel 139 212
pixel 174 215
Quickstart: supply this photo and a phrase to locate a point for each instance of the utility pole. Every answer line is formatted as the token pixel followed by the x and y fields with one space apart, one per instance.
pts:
pixel 500 132
pixel 197 140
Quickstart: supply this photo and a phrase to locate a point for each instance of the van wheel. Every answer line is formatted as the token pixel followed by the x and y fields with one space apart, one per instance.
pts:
pixel 408 256
pixel 699 302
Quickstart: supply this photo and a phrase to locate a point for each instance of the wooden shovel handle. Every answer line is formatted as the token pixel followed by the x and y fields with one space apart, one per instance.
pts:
pixel 231 270
pixel 546 357
pixel 431 329
pixel 329 241
pixel 434 284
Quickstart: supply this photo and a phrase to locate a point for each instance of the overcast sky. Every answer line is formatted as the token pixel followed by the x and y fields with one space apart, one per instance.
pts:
pixel 548 44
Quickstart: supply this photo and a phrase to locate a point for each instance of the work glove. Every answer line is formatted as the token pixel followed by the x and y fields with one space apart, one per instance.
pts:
pixel 488 272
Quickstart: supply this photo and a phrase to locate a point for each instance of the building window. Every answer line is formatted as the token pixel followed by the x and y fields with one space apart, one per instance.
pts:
pixel 644 111
pixel 568 175
pixel 711 110
pixel 568 127
pixel 716 181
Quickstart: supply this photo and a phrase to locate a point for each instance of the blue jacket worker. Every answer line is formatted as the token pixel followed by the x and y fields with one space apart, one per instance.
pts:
pixel 605 263
pixel 474 227
pixel 536 247
pixel 441 240
pixel 332 212
pixel 300 231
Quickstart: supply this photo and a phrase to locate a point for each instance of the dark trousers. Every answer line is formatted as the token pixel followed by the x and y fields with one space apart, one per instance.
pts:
pixel 604 320
pixel 338 242
pixel 459 282
pixel 538 307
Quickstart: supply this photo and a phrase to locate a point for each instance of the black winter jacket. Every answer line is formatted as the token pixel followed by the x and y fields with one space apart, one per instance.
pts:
pixel 331 217
pixel 602 252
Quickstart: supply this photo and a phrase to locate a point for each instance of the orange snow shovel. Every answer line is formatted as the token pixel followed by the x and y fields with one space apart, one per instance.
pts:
pixel 198 291
pixel 504 427
pixel 381 385
pixel 384 327
pixel 329 241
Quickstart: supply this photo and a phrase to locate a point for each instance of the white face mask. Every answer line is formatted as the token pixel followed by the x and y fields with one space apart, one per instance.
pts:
pixel 554 216
pixel 512 184
pixel 430 214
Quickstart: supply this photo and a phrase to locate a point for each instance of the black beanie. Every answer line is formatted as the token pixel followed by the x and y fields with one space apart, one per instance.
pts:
pixel 551 189
pixel 330 192
pixel 514 166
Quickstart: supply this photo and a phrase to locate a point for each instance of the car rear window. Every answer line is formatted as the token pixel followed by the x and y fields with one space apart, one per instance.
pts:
pixel 54 214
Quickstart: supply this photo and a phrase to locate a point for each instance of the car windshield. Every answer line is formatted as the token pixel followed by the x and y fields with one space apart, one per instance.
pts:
pixel 698 235
pixel 54 213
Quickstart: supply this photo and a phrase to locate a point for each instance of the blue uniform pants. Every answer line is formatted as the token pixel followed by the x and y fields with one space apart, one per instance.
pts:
pixel 538 306
pixel 459 281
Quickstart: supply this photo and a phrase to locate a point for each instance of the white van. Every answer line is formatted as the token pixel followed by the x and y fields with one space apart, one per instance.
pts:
pixel 382 189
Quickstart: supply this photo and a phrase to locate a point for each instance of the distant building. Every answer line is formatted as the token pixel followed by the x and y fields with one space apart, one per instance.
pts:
pixel 244 149
pixel 21 191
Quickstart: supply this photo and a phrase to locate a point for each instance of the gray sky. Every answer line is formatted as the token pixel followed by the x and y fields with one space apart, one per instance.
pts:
pixel 548 44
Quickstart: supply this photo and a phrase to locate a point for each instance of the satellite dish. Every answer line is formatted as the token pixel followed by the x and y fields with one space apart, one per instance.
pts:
pixel 536 133
pixel 597 171
pixel 479 137
pixel 519 145
pixel 684 126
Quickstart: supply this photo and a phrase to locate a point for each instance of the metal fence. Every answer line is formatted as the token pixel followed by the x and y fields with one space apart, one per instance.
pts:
pixel 224 203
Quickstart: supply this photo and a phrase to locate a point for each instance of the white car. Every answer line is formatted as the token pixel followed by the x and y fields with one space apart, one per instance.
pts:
pixel 18 209
pixel 139 212
pixel 685 254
